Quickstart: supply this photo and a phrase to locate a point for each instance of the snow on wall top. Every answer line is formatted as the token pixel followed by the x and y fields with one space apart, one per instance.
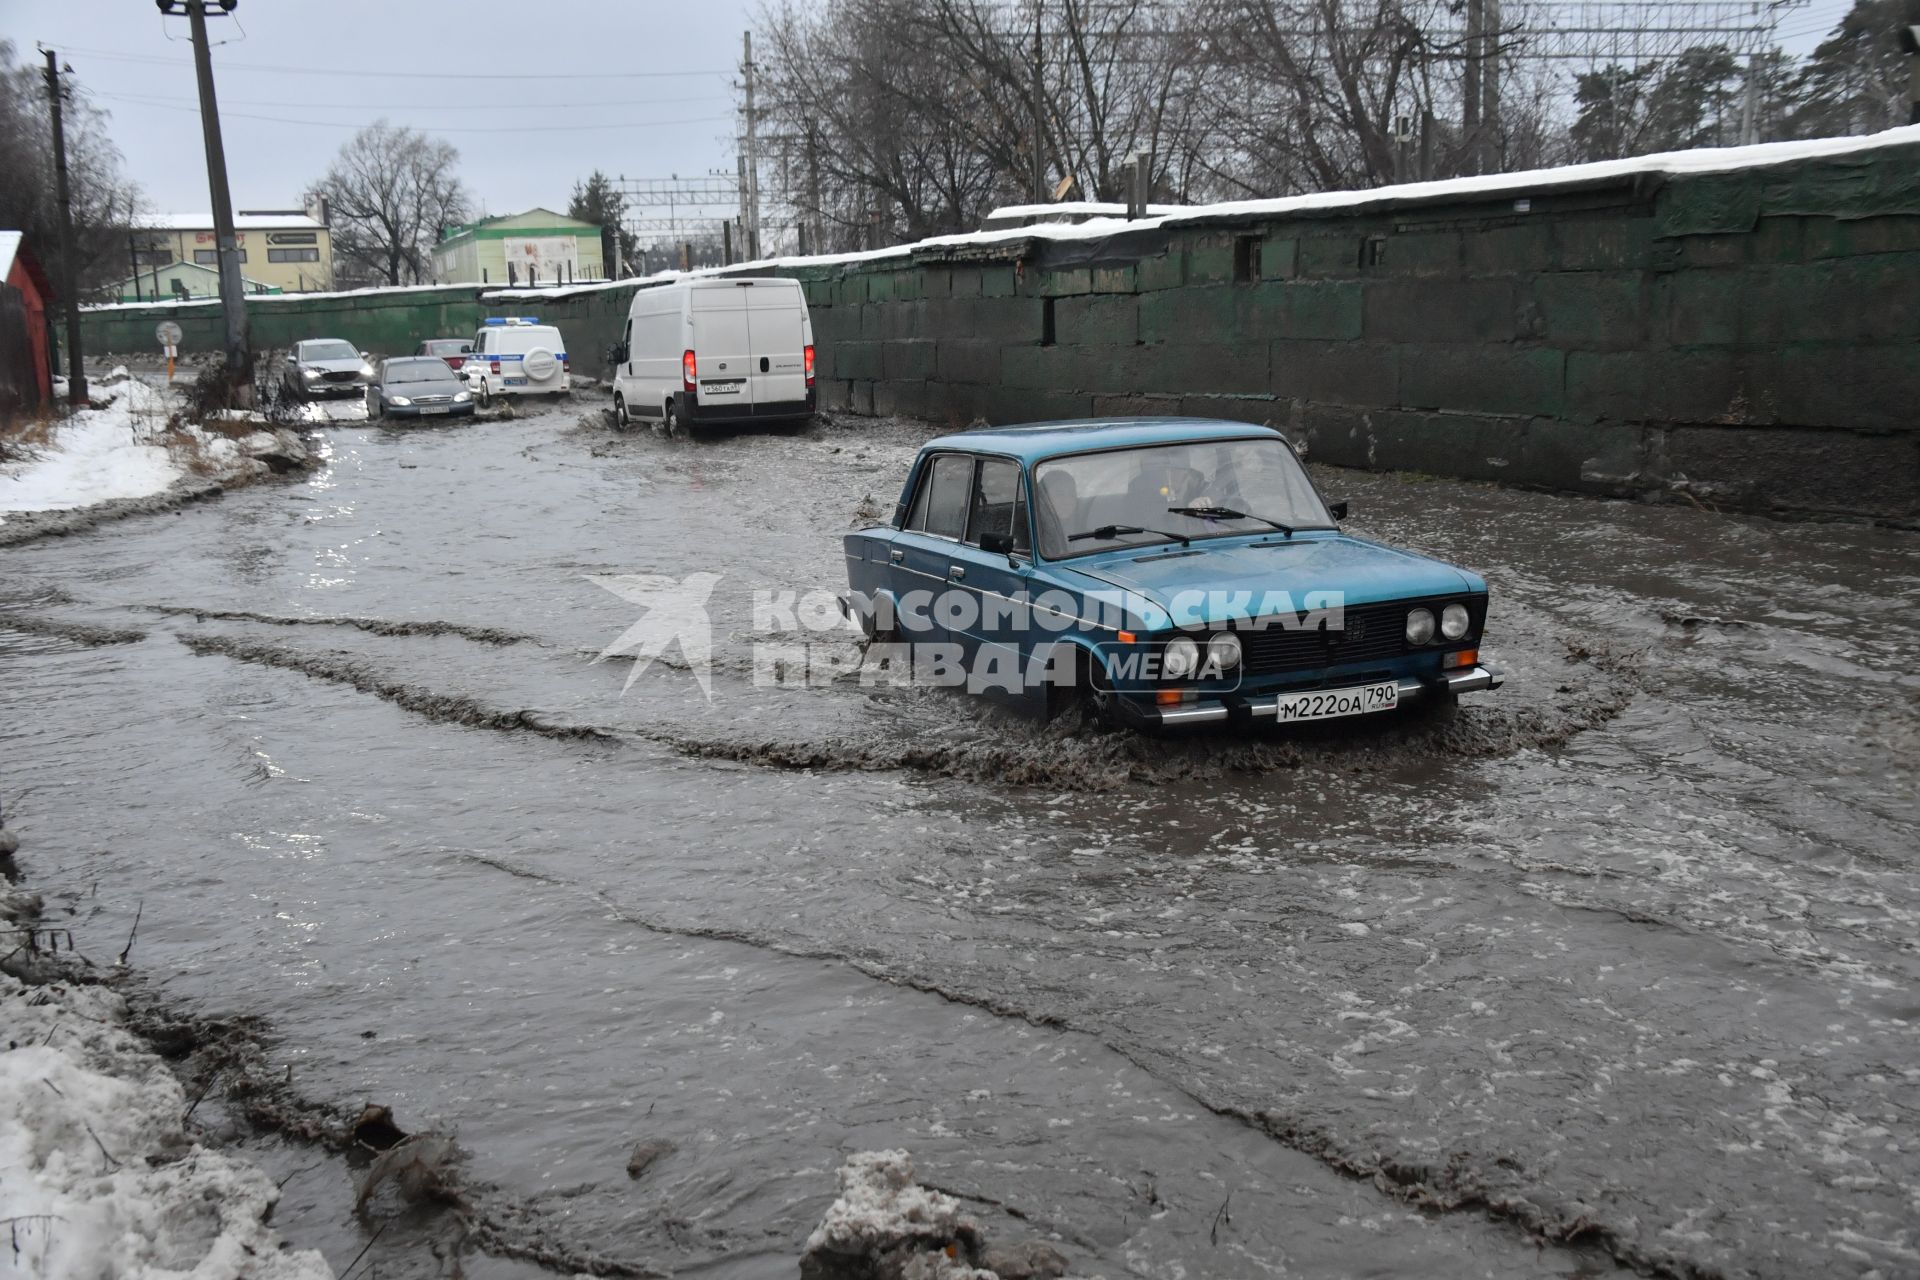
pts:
pixel 1529 182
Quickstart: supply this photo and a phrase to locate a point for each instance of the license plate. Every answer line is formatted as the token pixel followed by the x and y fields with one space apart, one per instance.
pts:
pixel 433 408
pixel 516 382
pixel 1326 704
pixel 722 388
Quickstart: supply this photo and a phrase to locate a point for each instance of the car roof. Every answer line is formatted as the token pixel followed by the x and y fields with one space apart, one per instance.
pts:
pixel 1038 440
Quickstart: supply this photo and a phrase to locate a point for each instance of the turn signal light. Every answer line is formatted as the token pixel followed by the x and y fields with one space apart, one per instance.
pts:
pixel 1464 658
pixel 1126 637
pixel 689 372
pixel 1167 697
pixel 809 364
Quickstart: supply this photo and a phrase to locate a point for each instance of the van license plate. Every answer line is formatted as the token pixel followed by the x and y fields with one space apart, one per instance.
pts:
pixel 731 387
pixel 1326 704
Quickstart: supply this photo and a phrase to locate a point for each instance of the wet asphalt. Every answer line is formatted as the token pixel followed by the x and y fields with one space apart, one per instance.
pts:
pixel 1615 965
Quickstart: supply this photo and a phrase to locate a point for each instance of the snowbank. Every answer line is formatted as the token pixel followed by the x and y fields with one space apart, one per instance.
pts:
pixel 95 456
pixel 128 450
pixel 96 1172
pixel 885 1226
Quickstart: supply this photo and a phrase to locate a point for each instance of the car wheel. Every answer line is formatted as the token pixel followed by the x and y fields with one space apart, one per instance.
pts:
pixel 676 426
pixel 620 420
pixel 1099 704
pixel 486 395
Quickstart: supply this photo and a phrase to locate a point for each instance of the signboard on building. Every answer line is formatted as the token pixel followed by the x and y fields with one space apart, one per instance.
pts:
pixel 550 257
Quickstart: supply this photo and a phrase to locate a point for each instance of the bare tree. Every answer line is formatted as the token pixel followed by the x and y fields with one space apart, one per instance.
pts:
pixel 104 201
pixel 390 192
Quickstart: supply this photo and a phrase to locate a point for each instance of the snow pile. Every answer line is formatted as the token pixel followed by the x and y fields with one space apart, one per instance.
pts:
pixel 95 456
pixel 96 1172
pixel 133 449
pixel 885 1226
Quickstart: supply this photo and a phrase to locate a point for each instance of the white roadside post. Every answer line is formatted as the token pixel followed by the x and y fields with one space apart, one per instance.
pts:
pixel 167 334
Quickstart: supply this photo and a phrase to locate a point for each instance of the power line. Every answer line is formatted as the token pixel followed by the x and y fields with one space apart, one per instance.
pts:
pixel 156 99
pixel 519 128
pixel 226 67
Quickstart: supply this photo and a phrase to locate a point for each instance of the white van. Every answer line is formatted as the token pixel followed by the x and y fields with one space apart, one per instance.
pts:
pixel 517 356
pixel 711 351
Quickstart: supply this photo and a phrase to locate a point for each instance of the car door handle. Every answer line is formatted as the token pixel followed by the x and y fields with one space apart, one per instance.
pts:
pixel 896 555
pixel 956 573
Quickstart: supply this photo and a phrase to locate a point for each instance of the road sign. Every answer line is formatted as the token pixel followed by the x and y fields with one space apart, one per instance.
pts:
pixel 167 333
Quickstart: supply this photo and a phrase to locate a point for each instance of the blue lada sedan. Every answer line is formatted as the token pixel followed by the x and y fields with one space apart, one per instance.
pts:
pixel 1154 571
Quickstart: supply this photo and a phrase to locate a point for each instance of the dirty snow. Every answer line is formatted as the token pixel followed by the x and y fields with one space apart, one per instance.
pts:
pixel 125 450
pixel 97 1174
pixel 95 456
pixel 883 1214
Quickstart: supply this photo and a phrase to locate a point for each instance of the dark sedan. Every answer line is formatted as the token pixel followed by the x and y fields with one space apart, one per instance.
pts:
pixel 418 386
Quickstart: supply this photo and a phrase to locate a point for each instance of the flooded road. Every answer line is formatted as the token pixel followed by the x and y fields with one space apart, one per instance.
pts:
pixel 1622 956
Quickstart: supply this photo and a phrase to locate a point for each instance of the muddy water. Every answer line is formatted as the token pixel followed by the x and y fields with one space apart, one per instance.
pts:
pixel 1623 954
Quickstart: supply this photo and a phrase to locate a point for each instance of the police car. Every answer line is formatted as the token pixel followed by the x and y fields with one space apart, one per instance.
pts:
pixel 517 356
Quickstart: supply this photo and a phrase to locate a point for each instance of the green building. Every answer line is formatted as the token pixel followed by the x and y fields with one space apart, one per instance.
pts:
pixel 538 246
pixel 180 280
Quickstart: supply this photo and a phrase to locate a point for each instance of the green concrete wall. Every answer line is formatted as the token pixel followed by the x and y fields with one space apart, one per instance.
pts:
pixel 1749 339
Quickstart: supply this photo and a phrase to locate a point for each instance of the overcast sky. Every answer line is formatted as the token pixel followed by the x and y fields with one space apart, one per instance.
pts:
pixel 534 94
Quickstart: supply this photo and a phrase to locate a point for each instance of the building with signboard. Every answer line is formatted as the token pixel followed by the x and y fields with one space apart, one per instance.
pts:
pixel 538 246
pixel 280 249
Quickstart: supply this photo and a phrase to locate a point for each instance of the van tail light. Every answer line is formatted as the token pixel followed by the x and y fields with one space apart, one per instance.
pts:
pixel 496 365
pixel 689 372
pixel 566 365
pixel 809 364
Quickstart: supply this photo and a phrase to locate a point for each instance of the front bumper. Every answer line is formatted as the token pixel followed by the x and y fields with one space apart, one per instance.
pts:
pixel 1258 709
pixel 420 411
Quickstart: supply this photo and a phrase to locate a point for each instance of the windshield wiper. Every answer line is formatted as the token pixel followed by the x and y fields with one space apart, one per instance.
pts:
pixel 1228 513
pixel 1107 531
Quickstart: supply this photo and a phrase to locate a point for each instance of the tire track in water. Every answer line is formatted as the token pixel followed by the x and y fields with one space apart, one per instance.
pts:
pixel 86 633
pixel 372 626
pixel 1459 1186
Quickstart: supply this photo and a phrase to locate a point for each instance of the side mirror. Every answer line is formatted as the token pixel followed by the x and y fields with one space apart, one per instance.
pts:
pixel 465 349
pixel 365 356
pixel 1338 510
pixel 1000 544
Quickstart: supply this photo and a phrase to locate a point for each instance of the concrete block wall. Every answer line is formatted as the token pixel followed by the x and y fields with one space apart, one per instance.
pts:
pixel 1590 340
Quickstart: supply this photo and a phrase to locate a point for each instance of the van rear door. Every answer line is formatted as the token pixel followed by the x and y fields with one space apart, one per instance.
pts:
pixel 776 314
pixel 722 347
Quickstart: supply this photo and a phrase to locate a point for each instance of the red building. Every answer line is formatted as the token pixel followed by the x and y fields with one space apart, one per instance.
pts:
pixel 26 372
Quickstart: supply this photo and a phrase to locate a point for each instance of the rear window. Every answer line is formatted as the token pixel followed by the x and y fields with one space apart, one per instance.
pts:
pixel 444 346
pixel 527 337
pixel 327 349
pixel 420 371
pixel 941 505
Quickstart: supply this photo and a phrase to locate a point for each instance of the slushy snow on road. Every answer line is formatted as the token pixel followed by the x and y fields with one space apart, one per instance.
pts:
pixel 98 1178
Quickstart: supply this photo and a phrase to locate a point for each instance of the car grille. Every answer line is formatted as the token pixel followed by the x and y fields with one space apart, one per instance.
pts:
pixel 433 399
pixel 347 375
pixel 1368 633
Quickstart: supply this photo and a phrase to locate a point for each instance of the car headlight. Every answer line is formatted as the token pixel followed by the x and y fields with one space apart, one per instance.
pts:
pixel 1419 626
pixel 1223 651
pixel 399 400
pixel 1181 659
pixel 309 373
pixel 366 371
pixel 461 397
pixel 1453 621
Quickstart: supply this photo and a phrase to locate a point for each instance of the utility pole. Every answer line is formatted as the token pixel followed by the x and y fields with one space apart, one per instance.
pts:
pixel 1039 112
pixel 69 275
pixel 233 299
pixel 750 186
pixel 1470 87
pixel 1750 103
pixel 1490 87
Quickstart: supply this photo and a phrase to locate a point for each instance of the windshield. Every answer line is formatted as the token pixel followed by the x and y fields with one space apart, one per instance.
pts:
pixel 444 346
pixel 1259 482
pixel 420 371
pixel 328 350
